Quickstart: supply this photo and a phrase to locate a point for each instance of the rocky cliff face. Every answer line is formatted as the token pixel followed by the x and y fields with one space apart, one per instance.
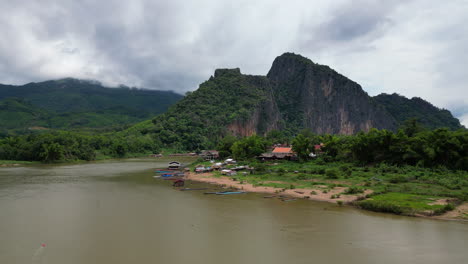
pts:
pixel 264 117
pixel 316 97
pixel 301 94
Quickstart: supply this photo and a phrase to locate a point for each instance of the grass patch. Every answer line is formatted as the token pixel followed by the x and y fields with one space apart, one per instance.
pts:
pixel 402 203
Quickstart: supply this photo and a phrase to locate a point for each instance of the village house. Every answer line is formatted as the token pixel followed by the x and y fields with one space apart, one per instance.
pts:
pixel 318 148
pixel 209 154
pixel 279 153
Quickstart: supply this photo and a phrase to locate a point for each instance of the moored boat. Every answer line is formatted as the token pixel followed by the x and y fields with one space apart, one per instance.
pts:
pixel 193 189
pixel 174 165
pixel 228 192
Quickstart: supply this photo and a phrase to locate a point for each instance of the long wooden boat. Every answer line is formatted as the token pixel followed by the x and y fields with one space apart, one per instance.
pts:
pixel 193 189
pixel 288 200
pixel 227 193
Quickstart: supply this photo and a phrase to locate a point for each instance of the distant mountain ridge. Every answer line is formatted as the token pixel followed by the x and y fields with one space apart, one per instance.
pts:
pixel 295 94
pixel 402 109
pixel 73 103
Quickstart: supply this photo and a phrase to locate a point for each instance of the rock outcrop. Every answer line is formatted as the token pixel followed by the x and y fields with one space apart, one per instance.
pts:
pixel 314 96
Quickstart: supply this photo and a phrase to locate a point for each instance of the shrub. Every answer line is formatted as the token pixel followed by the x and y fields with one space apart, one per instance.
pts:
pixel 398 179
pixel 381 206
pixel 334 196
pixel 301 177
pixel 346 170
pixel 313 193
pixel 340 203
pixel 320 161
pixel 332 174
pixel 446 208
pixel 292 187
pixel 353 190
pixel 280 171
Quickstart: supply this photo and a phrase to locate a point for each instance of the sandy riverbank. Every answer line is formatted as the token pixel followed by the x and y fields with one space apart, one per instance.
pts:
pixel 456 214
pixel 296 193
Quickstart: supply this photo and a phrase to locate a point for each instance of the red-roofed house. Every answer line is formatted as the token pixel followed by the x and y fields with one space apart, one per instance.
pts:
pixel 318 148
pixel 283 150
pixel 279 153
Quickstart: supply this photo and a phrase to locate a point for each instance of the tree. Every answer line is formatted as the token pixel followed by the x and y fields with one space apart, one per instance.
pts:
pixel 249 147
pixel 302 146
pixel 224 146
pixel 277 136
pixel 411 127
pixel 51 152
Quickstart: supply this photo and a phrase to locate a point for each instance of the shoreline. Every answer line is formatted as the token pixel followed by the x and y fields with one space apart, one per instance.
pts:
pixel 306 193
pixel 294 193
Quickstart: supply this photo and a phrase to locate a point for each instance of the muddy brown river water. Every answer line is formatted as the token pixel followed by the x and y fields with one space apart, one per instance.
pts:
pixel 115 212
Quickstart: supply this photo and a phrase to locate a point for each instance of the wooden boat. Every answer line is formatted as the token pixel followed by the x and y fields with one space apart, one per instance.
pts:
pixel 193 189
pixel 178 183
pixel 228 192
pixel 288 200
pixel 174 165
pixel 157 176
pixel 271 196
pixel 210 192
pixel 163 171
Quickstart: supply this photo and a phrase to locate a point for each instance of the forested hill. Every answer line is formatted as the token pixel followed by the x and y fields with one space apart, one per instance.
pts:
pixel 295 94
pixel 71 103
pixel 431 117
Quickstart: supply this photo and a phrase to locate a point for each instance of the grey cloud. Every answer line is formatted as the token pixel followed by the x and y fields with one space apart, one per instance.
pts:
pixel 361 20
pixel 177 44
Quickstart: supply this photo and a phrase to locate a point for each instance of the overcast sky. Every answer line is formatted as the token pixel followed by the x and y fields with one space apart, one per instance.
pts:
pixel 411 47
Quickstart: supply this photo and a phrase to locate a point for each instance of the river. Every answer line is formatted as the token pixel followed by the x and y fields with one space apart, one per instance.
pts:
pixel 115 212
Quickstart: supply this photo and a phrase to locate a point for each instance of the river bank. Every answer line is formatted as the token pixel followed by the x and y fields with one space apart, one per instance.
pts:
pixel 310 194
pixel 331 195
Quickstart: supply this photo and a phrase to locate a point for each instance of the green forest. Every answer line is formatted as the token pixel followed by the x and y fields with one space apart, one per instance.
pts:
pixel 71 104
